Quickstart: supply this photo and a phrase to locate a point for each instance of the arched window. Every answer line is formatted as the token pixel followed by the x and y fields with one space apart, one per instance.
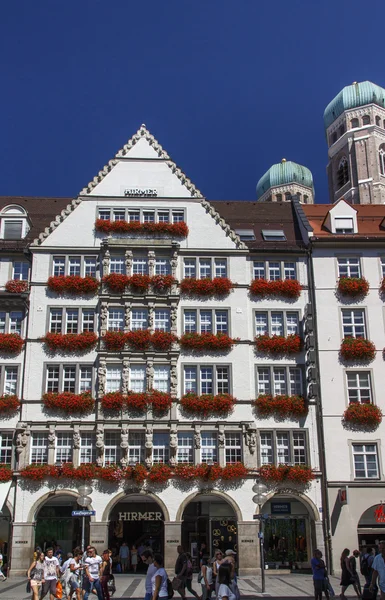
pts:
pixel 381 157
pixel 342 172
pixel 366 120
pixel 14 224
pixel 305 199
pixel 334 138
pixel 299 197
pixel 354 123
pixel 341 130
pixel 287 196
pixel 278 197
pixel 378 121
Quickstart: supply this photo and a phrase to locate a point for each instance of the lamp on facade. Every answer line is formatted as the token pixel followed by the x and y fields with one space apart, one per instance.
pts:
pixel 260 491
pixel 84 499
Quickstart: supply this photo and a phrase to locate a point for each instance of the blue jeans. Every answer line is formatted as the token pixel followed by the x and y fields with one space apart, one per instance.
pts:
pixel 148 596
pixel 88 586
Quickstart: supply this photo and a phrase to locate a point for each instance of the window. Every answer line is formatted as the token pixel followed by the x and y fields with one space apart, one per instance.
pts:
pixel 283 447
pixel 74 265
pixel 138 378
pixel 117 265
pixel 10 380
pixel 64 444
pixel 59 266
pixel 259 270
pixel 11 322
pixel 366 120
pixel 39 448
pixel 207 379
pixel 12 230
pixel 353 321
pixel 365 461
pixel 136 446
pixel 378 121
pixel 149 216
pixel 111 447
pixel 289 270
pixel 162 319
pixel 90 266
pixel 163 216
pixel 139 266
pixel 162 266
pixel 341 130
pixel 344 224
pixel 162 378
pixel 55 320
pixel 277 323
pixel 87 448
pixel 209 452
pixel 113 378
pixel 85 379
pixel 160 215
pixel 178 216
pixel 161 449
pixel 104 214
pixel 274 270
pixel 205 321
pixel 119 214
pixel 69 378
pixel 349 267
pixel 189 268
pixel 6 449
pixel 139 319
pixel 342 172
pixel 20 270
pixel 359 386
pixel 115 319
pixel 233 447
pixel 274 235
pixel 279 380
pixel 185 454
pixel 207 267
pixel 72 318
pixel 381 156
pixel 88 320
pixel 220 266
pixel 246 235
pixel 354 123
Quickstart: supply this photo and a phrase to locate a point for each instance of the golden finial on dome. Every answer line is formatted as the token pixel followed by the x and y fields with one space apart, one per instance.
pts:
pixel 354 83
pixel 283 160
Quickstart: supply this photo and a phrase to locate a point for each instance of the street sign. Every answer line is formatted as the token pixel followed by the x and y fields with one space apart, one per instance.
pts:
pixel 83 513
pixel 261 517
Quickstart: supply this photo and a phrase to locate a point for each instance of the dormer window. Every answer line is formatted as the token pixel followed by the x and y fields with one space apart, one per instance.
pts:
pixel 344 224
pixel 14 223
pixel 246 235
pixel 273 235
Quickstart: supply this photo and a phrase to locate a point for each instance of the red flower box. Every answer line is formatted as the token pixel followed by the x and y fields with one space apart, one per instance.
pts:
pixel 11 343
pixel 116 282
pixel 208 472
pixel 162 340
pixel 86 471
pixel 137 473
pixel 16 286
pixel 9 403
pixel 112 473
pixel 282 405
pixel 113 401
pixel 5 473
pixel 35 472
pixel 357 349
pixel 71 342
pixel 278 344
pixel 116 401
pixel 185 472
pixel 139 283
pixel 295 474
pixel 139 340
pixel 73 284
pixel 289 288
pixel 219 286
pixel 161 283
pixel 160 401
pixel 136 401
pixel 222 404
pixel 69 402
pixel 367 415
pixel 159 473
pixel 115 340
pixel 173 229
pixel 234 471
pixel 353 286
pixel 206 341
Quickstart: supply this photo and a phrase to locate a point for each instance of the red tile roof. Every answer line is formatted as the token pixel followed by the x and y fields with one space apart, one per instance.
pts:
pixel 370 220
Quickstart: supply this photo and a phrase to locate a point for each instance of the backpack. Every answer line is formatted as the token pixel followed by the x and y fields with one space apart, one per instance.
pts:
pixel 170 589
pixel 365 569
pixel 189 571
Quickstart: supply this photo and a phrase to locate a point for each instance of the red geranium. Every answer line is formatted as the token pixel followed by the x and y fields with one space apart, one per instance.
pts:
pixel 137 473
pixel 5 473
pixel 70 342
pixel 234 471
pixel 175 229
pixel 139 339
pixel 363 414
pixel 206 341
pixel 353 286
pixel 159 473
pixel 278 344
pixel 115 340
pixel 11 343
pixel 160 283
pixel 86 471
pixel 16 286
pixel 209 472
pixel 69 402
pixel 116 282
pixel 113 401
pixel 73 284
pixel 139 283
pixel 9 403
pixel 162 340
pixel 137 401
pixel 357 349
pixel 36 472
pixel 295 474
pixel 282 405
pixel 160 401
pixel 206 404
pixel 185 472
pixel 111 473
pixel 289 288
pixel 219 286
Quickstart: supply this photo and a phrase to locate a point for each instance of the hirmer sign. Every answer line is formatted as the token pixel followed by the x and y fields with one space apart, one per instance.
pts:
pixel 135 192
pixel 138 516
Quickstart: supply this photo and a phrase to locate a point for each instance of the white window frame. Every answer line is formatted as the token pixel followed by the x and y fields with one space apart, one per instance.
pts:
pixel 365 453
pixel 233 447
pixel 209 446
pixel 359 390
pixel 288 269
pixel 268 376
pixel 272 452
pixel 87 454
pixel 185 452
pixel 61 377
pixel 39 448
pixel 6 447
pixel 64 448
pixel 112 450
pixel 65 261
pixel 216 378
pixel 348 266
pixel 161 448
pixel 351 322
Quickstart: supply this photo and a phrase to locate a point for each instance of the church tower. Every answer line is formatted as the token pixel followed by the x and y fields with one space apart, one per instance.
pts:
pixel 284 180
pixel 355 131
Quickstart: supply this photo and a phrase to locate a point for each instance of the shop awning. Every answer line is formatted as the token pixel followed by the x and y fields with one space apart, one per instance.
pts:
pixel 4 489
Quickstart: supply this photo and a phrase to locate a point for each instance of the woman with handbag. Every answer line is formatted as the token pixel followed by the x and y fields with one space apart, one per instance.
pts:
pixel 35 575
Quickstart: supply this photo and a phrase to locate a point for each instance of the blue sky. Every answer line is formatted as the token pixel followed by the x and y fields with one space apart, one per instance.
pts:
pixel 228 87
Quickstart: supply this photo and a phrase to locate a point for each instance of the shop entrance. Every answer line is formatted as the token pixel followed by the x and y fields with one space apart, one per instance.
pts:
pixel 56 527
pixel 210 520
pixel 139 522
pixel 371 527
pixel 288 534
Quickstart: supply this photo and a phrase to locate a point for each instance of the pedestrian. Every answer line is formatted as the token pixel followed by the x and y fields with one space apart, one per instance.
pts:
pixel 35 575
pixel 181 571
pixel 148 559
pixel 224 583
pixel 124 554
pixel 189 576
pixel 347 576
pixel 353 567
pixel 91 580
pixel 51 575
pixel 66 574
pixel 76 569
pixel 3 577
pixel 105 574
pixel 378 571
pixel 134 557
pixel 206 578
pixel 319 575
pixel 229 559
pixel 217 560
pixel 366 564
pixel 159 579
pixel 202 552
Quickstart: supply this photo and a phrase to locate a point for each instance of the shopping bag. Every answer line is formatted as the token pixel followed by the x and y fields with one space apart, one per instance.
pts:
pixel 59 590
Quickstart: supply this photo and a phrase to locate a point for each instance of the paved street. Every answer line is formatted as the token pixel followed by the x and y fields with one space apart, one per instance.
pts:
pixel 131 587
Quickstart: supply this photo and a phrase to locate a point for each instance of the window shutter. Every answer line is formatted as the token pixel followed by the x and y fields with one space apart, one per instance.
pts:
pixel 13 230
pixel 344 222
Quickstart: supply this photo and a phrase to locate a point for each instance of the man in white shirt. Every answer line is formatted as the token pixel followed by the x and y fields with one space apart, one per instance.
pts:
pixel 378 567
pixel 147 558
pixel 91 580
pixel 51 575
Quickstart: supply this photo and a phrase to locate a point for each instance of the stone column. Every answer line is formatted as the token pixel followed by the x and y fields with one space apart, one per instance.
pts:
pixel 172 539
pixel 151 263
pixel 23 543
pixel 128 261
pixel 127 316
pixel 174 319
pixel 76 440
pixel 103 317
pixel 106 262
pixel 319 537
pixel 197 444
pixel 125 375
pixel 22 444
pixel 124 433
pixel 221 445
pixel 249 561
pixel 99 445
pixel 173 444
pixel 51 444
pixel 99 535
pixel 151 315
pixel 250 445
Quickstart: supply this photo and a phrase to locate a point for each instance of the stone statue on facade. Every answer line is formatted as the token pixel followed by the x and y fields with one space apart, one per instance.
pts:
pixel 106 262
